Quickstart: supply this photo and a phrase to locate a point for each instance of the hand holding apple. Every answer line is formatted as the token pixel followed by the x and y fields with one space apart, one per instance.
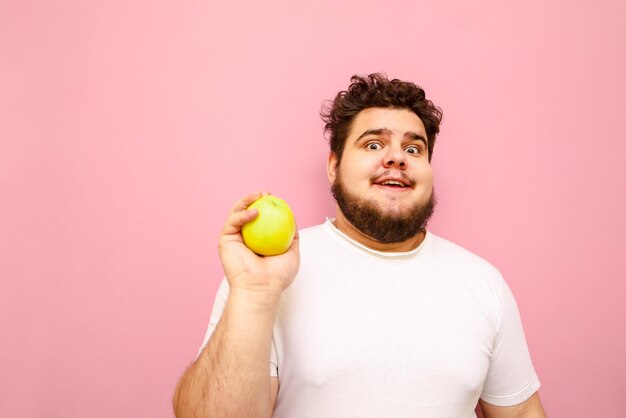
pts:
pixel 245 270
pixel 272 231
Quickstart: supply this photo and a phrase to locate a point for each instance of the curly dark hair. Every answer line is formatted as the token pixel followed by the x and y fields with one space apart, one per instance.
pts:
pixel 376 90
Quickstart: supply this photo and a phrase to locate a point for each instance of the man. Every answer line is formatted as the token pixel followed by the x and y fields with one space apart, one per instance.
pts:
pixel 369 314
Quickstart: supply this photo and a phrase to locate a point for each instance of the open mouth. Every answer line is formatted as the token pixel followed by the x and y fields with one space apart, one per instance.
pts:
pixel 393 183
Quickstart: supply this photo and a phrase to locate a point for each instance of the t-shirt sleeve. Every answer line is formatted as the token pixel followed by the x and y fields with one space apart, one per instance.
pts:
pixel 511 378
pixel 216 313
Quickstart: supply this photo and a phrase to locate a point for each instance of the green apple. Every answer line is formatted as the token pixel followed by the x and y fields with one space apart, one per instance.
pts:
pixel 272 231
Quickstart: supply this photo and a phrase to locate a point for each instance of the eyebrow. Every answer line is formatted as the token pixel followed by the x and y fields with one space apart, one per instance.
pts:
pixel 384 131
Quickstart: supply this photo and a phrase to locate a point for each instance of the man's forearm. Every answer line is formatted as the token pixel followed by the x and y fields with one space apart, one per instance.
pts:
pixel 230 378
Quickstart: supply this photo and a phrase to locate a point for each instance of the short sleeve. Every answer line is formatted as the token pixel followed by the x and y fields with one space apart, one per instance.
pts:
pixel 216 313
pixel 511 378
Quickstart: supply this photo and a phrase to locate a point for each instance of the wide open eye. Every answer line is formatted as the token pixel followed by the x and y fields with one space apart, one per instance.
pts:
pixel 373 146
pixel 413 149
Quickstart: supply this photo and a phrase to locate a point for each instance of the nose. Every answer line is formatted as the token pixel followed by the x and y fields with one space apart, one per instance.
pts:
pixel 395 156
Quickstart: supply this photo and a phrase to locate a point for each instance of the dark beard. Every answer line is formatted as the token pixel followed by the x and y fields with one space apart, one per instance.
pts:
pixel 367 217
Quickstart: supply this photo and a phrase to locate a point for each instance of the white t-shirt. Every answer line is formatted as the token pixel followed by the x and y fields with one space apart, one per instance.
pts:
pixel 364 333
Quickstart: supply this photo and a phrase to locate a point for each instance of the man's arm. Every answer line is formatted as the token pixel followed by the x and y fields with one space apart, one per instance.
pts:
pixel 530 408
pixel 230 377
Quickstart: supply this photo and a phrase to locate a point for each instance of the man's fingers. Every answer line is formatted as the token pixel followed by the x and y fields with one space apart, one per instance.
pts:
pixel 238 219
pixel 295 244
pixel 247 200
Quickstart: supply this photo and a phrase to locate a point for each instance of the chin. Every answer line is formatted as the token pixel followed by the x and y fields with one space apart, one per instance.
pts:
pixel 387 217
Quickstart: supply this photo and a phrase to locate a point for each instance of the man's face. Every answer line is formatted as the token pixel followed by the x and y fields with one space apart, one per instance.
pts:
pixel 384 183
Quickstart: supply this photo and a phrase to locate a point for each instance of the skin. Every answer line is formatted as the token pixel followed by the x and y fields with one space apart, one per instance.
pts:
pixel 230 377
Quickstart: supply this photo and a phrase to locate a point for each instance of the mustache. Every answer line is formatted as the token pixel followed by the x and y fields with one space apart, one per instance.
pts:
pixel 387 173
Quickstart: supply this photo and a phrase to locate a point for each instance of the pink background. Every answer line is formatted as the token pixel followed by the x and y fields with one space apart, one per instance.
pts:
pixel 128 129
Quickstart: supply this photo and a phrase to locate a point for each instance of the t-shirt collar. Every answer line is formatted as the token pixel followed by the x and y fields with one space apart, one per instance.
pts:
pixel 386 254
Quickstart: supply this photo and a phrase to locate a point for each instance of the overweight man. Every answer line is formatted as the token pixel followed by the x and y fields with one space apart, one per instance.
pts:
pixel 369 314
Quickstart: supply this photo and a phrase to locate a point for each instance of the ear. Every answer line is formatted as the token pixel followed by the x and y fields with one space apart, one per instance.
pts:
pixel 331 167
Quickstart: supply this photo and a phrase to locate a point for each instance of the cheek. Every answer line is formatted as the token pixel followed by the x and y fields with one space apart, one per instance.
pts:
pixel 430 174
pixel 425 175
pixel 358 169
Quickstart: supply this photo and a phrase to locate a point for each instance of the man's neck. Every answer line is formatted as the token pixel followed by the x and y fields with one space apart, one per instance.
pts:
pixel 342 224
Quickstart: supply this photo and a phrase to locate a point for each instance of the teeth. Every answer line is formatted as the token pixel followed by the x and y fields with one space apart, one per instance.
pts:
pixel 392 182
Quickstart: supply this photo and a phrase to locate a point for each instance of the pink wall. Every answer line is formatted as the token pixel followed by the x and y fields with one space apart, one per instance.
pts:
pixel 129 128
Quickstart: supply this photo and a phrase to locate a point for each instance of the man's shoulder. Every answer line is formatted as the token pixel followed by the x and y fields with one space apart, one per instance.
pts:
pixel 313 235
pixel 311 229
pixel 457 256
